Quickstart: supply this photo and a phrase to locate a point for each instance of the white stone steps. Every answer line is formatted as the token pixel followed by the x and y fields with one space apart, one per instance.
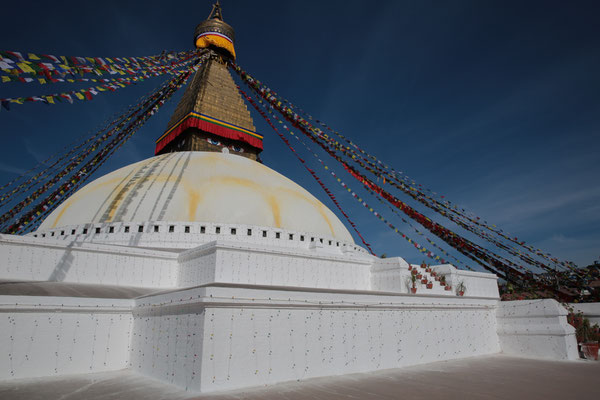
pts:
pixel 436 289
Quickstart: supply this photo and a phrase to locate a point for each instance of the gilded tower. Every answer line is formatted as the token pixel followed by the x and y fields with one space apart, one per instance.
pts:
pixel 211 115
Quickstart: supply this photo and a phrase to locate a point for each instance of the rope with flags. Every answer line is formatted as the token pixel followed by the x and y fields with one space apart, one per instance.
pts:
pixel 15 64
pixel 487 258
pixel 58 161
pixel 24 216
pixel 312 172
pixel 43 188
pixel 435 201
pixel 418 246
pixel 105 85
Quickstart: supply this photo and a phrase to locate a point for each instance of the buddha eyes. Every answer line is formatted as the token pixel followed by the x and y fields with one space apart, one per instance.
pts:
pixel 216 142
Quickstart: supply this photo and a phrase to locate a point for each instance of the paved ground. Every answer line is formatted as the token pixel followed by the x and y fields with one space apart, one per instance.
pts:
pixel 496 377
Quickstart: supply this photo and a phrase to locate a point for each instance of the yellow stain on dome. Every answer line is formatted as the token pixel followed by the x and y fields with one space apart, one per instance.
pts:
pixel 232 181
pixel 216 158
pixel 275 210
pixel 320 207
pixel 116 202
pixel 91 188
pixel 65 207
pixel 83 191
pixel 193 202
pixel 192 188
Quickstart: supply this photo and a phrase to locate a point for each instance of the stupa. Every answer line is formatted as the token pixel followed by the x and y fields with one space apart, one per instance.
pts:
pixel 202 267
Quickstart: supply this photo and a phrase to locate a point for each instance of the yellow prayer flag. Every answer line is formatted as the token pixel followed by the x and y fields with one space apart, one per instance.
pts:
pixel 26 68
pixel 79 96
pixel 42 81
pixel 32 56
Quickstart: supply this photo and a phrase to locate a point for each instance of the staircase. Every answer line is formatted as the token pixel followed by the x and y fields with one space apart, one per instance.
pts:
pixel 430 276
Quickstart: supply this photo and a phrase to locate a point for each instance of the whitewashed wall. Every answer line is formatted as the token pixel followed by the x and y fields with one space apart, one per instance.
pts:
pixel 248 263
pixel 210 338
pixel 478 284
pixel 390 275
pixel 536 329
pixel 186 235
pixel 46 336
pixel 29 258
pixel 217 338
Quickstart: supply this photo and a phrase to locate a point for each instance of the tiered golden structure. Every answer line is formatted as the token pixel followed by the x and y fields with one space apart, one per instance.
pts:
pixel 212 115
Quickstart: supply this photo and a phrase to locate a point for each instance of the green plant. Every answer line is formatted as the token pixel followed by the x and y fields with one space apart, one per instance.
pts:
pixel 443 280
pixel 586 332
pixel 509 288
pixel 461 288
pixel 410 283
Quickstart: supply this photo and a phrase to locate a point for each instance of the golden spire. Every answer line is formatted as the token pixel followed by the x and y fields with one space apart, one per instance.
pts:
pixel 216 34
pixel 216 12
pixel 212 115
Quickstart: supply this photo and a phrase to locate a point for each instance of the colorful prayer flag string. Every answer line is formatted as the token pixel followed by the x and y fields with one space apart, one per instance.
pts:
pixel 417 246
pixel 87 93
pixel 289 114
pixel 440 204
pixel 24 220
pixel 484 257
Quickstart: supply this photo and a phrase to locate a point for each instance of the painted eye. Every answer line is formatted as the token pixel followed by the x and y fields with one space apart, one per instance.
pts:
pixel 237 149
pixel 213 141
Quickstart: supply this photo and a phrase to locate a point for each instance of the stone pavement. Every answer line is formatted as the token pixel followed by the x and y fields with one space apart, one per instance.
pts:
pixel 490 377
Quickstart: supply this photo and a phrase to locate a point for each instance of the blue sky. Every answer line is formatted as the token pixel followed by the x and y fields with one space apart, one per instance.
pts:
pixel 494 104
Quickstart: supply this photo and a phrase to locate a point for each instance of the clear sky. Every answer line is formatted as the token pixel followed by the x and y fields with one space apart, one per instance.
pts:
pixel 495 104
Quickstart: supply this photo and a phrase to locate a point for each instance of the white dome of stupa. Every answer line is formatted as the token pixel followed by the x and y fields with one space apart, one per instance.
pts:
pixel 198 187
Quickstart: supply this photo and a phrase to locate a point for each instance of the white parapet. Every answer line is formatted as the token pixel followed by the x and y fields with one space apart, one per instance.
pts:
pixel 222 337
pixel 51 336
pixel 393 275
pixel 476 284
pixel 248 307
pixel 536 329
pixel 27 258
pixel 258 264
pixel 390 275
